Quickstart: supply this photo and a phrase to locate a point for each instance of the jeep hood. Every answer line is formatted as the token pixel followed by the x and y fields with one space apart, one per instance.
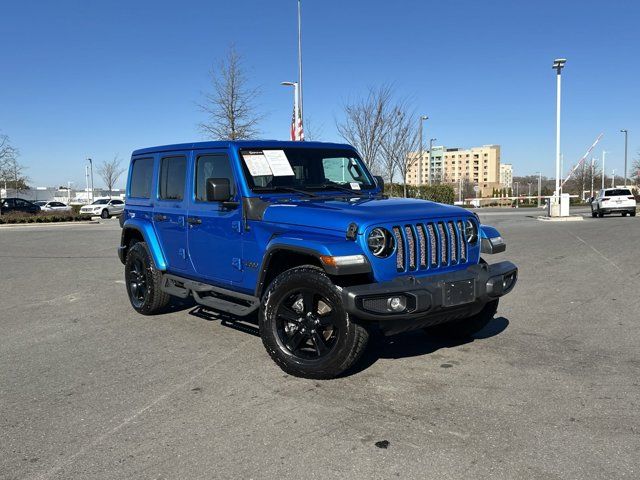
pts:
pixel 337 214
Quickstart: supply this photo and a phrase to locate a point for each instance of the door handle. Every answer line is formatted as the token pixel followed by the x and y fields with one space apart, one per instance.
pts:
pixel 160 218
pixel 194 220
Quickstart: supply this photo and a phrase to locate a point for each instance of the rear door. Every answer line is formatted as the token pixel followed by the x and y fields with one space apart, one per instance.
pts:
pixel 170 207
pixel 214 230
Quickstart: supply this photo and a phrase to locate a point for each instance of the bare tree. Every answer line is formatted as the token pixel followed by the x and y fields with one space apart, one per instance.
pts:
pixel 400 142
pixel 635 168
pixel 11 171
pixel 312 131
pixel 366 123
pixel 110 171
pixel 231 106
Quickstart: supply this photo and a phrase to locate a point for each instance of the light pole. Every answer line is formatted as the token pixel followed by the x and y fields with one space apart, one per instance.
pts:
pixel 421 154
pixel 593 162
pixel 539 187
pixel 613 178
pixel 603 170
pixel 517 193
pixel 431 140
pixel 625 154
pixel 558 65
pixel 529 199
pixel 296 128
pixel 91 168
pixel 69 192
pixel 300 66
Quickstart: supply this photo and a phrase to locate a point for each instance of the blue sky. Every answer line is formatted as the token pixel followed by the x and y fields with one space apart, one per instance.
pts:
pixel 96 79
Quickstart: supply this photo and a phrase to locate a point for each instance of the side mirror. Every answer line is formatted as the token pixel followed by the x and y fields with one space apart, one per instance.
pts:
pixel 218 190
pixel 379 181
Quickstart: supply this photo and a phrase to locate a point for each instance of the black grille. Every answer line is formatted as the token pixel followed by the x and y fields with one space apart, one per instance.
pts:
pixel 430 245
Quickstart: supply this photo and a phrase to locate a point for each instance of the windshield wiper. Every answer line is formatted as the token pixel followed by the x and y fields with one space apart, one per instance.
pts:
pixel 334 186
pixel 284 189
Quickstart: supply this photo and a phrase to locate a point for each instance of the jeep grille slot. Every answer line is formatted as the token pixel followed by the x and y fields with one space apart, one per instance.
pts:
pixel 411 244
pixel 443 245
pixel 453 243
pixel 399 249
pixel 430 245
pixel 422 242
pixel 462 242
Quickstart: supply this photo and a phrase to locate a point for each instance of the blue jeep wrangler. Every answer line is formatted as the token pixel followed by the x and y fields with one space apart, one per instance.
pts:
pixel 303 234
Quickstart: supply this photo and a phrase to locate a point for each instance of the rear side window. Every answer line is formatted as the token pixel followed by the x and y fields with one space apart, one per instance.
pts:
pixel 141 177
pixel 618 192
pixel 172 176
pixel 212 166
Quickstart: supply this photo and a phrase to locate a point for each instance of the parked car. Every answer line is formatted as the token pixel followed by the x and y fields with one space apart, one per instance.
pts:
pixel 104 207
pixel 613 200
pixel 17 205
pixel 302 233
pixel 53 206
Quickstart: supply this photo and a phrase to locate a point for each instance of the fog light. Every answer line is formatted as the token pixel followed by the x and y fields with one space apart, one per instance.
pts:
pixel 397 304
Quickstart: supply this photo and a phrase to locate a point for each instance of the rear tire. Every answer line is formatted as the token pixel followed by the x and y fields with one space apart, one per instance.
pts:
pixel 143 281
pixel 600 214
pixel 594 214
pixel 306 329
pixel 467 326
pixel 633 214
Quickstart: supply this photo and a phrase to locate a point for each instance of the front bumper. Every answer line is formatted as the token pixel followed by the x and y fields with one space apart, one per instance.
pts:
pixel 430 300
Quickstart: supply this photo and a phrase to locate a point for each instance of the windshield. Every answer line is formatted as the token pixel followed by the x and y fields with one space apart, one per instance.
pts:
pixel 101 202
pixel 305 169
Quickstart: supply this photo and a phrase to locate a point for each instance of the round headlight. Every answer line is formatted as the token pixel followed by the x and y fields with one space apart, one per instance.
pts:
pixel 470 231
pixel 380 242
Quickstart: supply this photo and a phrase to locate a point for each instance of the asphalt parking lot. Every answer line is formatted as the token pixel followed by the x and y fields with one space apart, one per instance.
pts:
pixel 550 389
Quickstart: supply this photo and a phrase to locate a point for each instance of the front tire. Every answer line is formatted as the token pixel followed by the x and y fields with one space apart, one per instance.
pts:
pixel 143 281
pixel 305 328
pixel 467 326
pixel 105 214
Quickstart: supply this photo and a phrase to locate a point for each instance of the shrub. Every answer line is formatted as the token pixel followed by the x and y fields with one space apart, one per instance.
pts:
pixel 436 193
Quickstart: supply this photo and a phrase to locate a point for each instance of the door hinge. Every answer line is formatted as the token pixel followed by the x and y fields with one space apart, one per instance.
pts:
pixel 237 263
pixel 237 226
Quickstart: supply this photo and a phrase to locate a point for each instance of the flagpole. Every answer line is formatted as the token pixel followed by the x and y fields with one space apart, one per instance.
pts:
pixel 300 63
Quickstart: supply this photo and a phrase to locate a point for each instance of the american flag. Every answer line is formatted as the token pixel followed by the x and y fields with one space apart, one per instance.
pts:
pixel 297 132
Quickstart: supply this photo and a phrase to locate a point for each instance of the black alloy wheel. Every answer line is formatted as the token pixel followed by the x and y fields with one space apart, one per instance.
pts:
pixel 306 325
pixel 137 283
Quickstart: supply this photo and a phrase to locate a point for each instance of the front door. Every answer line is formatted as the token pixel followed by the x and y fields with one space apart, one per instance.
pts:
pixel 214 230
pixel 169 212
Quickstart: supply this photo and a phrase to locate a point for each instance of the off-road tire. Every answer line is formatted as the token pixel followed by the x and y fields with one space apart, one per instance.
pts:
pixel 105 214
pixel 155 300
pixel 351 338
pixel 467 326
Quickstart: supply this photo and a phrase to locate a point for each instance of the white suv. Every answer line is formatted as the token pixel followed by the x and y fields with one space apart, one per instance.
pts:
pixel 103 207
pixel 613 200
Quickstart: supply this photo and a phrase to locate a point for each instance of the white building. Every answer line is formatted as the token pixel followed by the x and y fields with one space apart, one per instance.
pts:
pixel 506 175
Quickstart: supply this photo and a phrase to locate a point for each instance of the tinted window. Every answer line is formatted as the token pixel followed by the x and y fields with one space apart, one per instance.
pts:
pixel 117 202
pixel 22 203
pixel 141 176
pixel 617 192
pixel 172 174
pixel 104 201
pixel 212 166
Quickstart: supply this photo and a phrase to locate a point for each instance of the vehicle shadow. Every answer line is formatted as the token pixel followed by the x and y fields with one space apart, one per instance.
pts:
pixel 418 343
pixel 404 345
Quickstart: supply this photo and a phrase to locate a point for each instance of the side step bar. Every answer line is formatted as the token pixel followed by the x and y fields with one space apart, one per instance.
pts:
pixel 216 298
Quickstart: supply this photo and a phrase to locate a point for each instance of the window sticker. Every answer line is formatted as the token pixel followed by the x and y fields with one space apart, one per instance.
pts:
pixel 354 185
pixel 279 163
pixel 257 164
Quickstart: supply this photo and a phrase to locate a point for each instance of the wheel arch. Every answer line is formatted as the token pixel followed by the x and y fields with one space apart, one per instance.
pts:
pixel 136 231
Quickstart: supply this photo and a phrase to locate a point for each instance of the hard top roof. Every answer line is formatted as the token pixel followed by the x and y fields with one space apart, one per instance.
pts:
pixel 239 144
